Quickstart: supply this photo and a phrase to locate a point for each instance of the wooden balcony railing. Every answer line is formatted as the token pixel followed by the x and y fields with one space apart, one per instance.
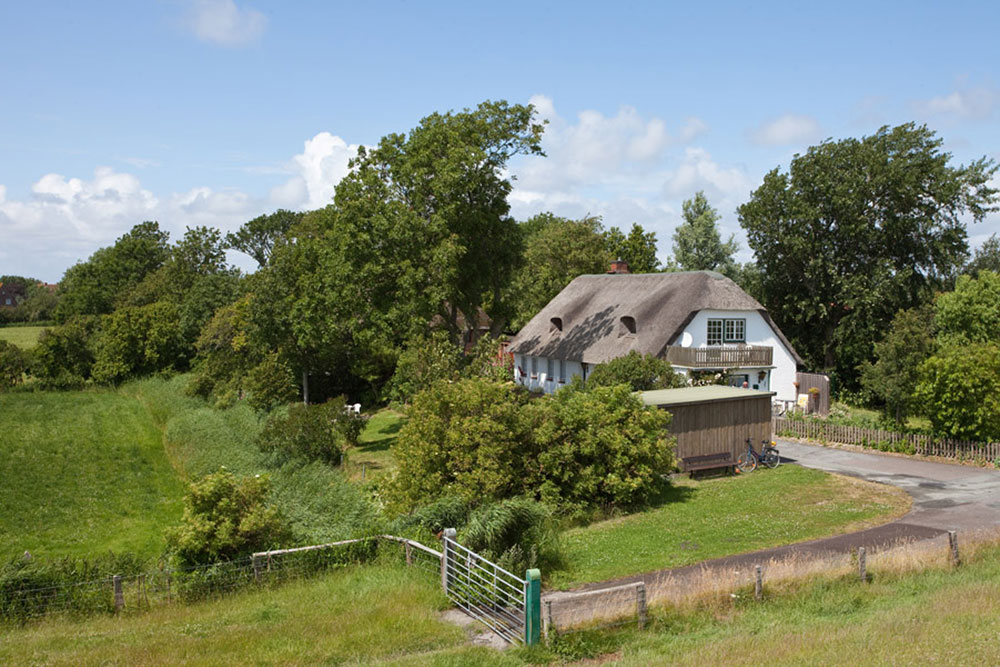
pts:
pixel 719 357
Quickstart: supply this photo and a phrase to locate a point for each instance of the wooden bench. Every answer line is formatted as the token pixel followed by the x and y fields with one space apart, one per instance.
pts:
pixel 706 461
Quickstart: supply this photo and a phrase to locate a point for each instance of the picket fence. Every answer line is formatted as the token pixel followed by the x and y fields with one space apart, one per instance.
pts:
pixel 885 440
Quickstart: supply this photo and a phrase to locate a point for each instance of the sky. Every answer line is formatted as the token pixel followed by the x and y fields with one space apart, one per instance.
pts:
pixel 211 112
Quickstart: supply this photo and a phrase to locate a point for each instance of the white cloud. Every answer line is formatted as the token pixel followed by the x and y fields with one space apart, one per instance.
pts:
pixel 319 167
pixel 976 102
pixel 222 22
pixel 787 129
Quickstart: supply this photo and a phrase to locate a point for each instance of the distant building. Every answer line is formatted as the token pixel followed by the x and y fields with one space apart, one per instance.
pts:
pixel 11 294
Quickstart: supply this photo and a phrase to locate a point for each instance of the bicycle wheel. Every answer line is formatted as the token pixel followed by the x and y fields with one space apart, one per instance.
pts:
pixel 771 458
pixel 746 462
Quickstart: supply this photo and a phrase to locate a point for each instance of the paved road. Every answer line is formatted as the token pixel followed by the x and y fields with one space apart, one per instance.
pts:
pixel 945 496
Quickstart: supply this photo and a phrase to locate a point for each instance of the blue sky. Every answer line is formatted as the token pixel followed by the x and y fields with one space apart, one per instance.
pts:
pixel 213 111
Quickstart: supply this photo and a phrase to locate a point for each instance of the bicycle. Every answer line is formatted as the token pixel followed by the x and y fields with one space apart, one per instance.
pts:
pixel 748 460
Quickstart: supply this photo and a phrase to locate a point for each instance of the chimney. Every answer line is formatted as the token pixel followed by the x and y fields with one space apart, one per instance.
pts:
pixel 619 266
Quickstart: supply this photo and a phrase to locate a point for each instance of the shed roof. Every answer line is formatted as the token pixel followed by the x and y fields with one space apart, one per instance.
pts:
pixel 707 394
pixel 590 310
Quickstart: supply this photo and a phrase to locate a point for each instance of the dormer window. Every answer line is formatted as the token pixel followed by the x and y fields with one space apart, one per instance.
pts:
pixel 626 325
pixel 556 324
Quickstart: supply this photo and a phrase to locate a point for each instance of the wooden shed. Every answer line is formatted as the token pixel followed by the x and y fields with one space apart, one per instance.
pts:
pixel 712 423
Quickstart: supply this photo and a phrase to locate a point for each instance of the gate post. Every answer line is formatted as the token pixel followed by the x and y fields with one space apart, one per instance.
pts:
pixel 532 607
pixel 449 534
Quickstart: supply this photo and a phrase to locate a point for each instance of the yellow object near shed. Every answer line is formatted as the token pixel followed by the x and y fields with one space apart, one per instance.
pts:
pixel 712 423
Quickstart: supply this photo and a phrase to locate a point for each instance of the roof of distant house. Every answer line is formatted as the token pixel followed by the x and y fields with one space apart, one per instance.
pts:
pixel 597 318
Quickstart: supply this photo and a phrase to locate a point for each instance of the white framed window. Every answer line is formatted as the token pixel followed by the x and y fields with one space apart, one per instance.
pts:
pixel 534 367
pixel 549 375
pixel 736 331
pixel 715 332
pixel 562 371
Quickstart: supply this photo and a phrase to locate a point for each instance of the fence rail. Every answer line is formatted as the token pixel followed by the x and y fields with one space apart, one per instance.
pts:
pixel 909 443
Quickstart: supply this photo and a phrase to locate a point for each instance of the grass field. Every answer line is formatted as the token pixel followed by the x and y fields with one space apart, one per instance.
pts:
pixel 724 516
pixel 83 473
pixel 23 337
pixel 373 456
pixel 388 615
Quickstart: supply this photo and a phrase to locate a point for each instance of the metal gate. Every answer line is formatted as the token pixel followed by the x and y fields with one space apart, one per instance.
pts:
pixel 503 601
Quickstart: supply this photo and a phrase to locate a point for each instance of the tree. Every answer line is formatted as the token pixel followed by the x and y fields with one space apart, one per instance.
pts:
pixel 137 341
pixel 638 248
pixel 959 391
pixel 64 356
pixel 110 274
pixel 986 258
pixel 899 355
pixel 970 313
pixel 258 236
pixel 13 364
pixel 640 372
pixel 556 250
pixel 857 230
pixel 697 244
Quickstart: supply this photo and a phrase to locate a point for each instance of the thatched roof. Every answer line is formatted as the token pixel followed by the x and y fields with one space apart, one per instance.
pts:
pixel 591 310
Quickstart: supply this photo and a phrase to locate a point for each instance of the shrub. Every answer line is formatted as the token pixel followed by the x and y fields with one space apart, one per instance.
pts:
pixel 516 534
pixel 64 357
pixel 270 383
pixel 600 448
pixel 487 359
pixel 226 517
pixel 137 341
pixel 465 438
pixel 638 371
pixel 313 432
pixel 13 364
pixel 959 391
pixel 446 512
pixel 424 361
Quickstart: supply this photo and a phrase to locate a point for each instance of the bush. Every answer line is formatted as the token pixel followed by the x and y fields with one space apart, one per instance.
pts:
pixel 638 371
pixel 64 357
pixel 226 517
pixel 137 341
pixel 13 364
pixel 270 384
pixel 312 432
pixel 446 512
pixel 467 438
pixel 424 361
pixel 487 359
pixel 578 451
pixel 959 391
pixel 516 534
pixel 598 449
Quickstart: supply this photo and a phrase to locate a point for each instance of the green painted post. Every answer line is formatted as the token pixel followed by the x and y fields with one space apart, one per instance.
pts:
pixel 532 607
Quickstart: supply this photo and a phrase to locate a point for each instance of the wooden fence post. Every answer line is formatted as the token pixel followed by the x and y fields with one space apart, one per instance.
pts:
pixel 862 570
pixel 758 588
pixel 256 568
pixel 640 604
pixel 953 547
pixel 119 596
pixel 547 625
pixel 409 553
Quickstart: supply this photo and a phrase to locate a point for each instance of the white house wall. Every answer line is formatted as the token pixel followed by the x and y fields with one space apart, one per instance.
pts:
pixel 758 332
pixel 542 381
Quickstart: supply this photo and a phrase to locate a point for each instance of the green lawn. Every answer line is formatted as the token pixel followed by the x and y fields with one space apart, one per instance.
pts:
pixel 83 473
pixel 373 456
pixel 723 516
pixel 24 337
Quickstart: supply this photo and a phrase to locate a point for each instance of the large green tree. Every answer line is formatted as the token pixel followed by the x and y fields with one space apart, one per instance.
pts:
pixel 556 250
pixel 638 248
pixel 898 357
pixel 856 230
pixel 258 236
pixel 697 244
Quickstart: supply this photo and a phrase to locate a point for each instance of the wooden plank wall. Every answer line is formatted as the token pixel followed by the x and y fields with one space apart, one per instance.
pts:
pixel 821 382
pixel 721 426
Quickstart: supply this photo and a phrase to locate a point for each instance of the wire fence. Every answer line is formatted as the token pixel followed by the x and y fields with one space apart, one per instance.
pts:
pixel 22 598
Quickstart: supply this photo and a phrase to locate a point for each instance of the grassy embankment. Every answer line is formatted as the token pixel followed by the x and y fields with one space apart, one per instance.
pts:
pixel 920 613
pixel 724 516
pixel 23 337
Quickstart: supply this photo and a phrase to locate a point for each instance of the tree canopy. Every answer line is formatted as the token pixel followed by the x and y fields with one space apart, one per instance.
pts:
pixel 856 230
pixel 638 248
pixel 697 244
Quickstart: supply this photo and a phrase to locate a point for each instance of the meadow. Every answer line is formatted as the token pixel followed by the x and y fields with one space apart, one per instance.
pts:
pixel 24 337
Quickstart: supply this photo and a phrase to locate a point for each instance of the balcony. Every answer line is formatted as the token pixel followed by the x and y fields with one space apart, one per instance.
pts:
pixel 746 356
